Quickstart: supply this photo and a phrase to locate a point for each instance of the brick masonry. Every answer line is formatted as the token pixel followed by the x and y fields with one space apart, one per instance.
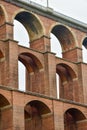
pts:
pixel 38 108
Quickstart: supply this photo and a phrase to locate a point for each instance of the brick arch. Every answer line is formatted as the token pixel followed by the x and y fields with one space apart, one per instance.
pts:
pixel 31 62
pixel 33 72
pixel 5 112
pixel 3 101
pixel 41 106
pixel 3 15
pixel 64 35
pixel 32 24
pixel 71 117
pixel 67 81
pixel 3 21
pixel 35 111
pixel 65 72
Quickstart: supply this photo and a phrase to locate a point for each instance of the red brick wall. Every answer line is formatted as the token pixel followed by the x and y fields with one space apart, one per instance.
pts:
pixel 41 73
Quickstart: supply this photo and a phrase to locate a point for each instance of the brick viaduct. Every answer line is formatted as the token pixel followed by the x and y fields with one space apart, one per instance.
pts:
pixel 37 108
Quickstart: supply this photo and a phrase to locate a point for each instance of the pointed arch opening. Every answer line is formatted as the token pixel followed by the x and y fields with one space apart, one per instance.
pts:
pixel 36 113
pixel 73 119
pixel 66 79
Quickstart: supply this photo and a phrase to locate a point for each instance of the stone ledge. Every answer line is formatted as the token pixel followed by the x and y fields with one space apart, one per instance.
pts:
pixel 45 11
pixel 42 96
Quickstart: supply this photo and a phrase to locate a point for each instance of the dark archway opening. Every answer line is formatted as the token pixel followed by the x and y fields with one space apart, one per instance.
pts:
pixel 32 72
pixel 72 117
pixel 5 113
pixel 65 37
pixel 66 81
pixel 31 23
pixel 37 115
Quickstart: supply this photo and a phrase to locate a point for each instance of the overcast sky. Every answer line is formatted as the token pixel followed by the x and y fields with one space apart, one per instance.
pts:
pixel 73 8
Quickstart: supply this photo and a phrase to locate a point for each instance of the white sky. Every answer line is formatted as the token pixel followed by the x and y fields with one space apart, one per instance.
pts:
pixel 73 8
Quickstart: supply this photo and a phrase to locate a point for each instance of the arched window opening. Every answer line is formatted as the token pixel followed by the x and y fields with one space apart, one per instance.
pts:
pixel 84 50
pixel 3 101
pixel 69 122
pixel 65 81
pixel 55 46
pixel 21 76
pixel 66 39
pixel 31 23
pixel 30 73
pixel 34 114
pixel 71 117
pixel 5 113
pixel 21 34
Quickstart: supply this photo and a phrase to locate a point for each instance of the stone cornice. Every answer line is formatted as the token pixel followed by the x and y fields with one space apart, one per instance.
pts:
pixel 50 13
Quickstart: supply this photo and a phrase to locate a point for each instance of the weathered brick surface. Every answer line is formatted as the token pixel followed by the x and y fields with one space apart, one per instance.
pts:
pixel 37 108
